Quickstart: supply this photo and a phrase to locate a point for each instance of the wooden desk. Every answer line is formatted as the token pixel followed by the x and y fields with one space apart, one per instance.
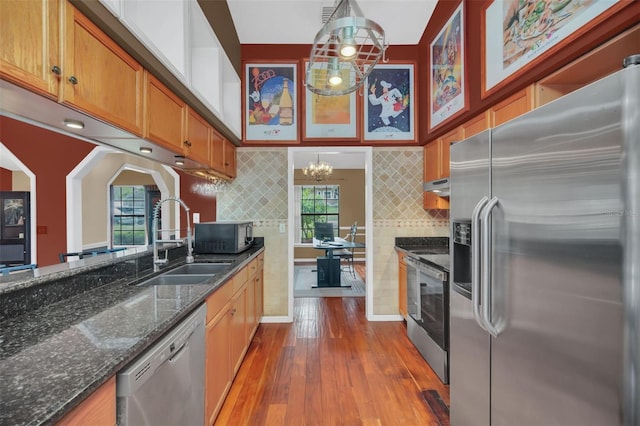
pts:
pixel 328 267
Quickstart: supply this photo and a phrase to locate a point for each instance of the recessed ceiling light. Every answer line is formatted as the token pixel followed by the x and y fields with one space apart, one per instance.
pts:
pixel 146 150
pixel 74 124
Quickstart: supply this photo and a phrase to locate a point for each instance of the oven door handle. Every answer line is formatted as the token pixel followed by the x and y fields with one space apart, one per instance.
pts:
pixel 475 261
pixel 429 271
pixel 486 269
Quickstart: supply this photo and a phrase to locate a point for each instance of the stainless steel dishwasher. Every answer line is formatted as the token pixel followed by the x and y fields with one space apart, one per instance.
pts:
pixel 165 385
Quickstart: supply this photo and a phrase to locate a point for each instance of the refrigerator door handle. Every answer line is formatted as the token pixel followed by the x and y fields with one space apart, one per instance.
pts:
pixel 475 260
pixel 486 268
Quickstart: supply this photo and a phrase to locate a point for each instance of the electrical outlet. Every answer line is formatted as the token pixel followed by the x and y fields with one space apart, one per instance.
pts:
pixel 283 228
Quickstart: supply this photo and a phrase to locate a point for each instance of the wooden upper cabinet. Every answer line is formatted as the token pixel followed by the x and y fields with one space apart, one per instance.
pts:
pixel 217 151
pixel 514 106
pixel 223 155
pixel 30 47
pixel 436 166
pixel 198 135
pixel 229 158
pixel 431 157
pixel 476 125
pixel 164 115
pixel 98 76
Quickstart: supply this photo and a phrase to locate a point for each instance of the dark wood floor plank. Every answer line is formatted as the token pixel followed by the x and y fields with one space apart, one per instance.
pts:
pixel 333 367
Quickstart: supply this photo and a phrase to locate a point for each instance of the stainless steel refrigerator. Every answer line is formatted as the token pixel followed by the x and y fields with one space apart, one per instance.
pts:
pixel 545 214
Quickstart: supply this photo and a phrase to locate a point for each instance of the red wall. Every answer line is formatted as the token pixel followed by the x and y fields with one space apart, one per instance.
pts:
pixel 613 26
pixel 603 31
pixel 297 53
pixel 50 156
pixel 6 178
pixel 197 203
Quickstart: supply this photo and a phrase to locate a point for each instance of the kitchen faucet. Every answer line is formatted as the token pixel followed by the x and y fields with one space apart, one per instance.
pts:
pixel 156 212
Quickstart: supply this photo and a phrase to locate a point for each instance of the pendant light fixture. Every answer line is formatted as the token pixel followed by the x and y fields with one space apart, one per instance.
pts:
pixel 346 48
pixel 319 170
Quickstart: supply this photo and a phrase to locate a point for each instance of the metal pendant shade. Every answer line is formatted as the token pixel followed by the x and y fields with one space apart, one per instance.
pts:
pixel 344 51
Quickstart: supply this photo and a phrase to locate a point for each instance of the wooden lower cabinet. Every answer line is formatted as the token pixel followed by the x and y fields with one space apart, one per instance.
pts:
pixel 233 312
pixel 218 375
pixel 239 342
pixel 402 285
pixel 99 409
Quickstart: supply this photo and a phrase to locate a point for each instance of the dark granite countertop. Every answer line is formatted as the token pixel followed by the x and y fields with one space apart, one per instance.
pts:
pixel 53 357
pixel 433 251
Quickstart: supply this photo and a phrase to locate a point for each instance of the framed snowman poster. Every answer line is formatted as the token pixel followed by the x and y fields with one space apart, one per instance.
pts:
pixel 389 109
pixel 270 102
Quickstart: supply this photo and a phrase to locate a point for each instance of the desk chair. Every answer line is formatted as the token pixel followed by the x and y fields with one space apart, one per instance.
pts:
pixel 347 253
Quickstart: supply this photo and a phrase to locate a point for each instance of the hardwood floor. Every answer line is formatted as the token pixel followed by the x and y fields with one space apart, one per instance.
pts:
pixel 333 367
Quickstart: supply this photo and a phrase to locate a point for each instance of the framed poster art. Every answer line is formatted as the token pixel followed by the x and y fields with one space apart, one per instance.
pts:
pixel 517 32
pixel 389 109
pixel 270 105
pixel 329 117
pixel 446 52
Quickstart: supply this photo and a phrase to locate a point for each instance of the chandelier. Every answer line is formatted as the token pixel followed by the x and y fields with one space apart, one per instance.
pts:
pixel 211 186
pixel 344 51
pixel 318 170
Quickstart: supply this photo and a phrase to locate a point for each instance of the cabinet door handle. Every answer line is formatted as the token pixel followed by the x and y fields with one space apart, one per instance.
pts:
pixel 56 70
pixel 187 143
pixel 73 80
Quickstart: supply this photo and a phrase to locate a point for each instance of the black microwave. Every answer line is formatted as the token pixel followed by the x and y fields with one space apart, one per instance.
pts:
pixel 222 237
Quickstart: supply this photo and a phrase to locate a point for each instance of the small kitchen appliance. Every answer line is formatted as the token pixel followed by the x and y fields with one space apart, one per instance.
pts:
pixel 223 237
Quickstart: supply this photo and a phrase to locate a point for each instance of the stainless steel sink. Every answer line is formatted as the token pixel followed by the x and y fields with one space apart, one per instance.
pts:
pixel 176 280
pixel 199 268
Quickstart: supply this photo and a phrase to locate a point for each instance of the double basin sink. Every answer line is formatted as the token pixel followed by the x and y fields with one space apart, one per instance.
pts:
pixel 190 273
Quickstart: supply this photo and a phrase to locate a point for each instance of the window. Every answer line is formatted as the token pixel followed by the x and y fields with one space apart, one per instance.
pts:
pixel 128 215
pixel 318 203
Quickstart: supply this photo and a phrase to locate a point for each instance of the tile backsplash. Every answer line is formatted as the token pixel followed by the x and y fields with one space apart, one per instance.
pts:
pixel 259 193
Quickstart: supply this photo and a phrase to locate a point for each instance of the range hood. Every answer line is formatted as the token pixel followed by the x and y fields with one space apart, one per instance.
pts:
pixel 439 187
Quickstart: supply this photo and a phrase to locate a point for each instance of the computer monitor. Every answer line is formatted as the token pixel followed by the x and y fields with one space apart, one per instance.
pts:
pixel 323 231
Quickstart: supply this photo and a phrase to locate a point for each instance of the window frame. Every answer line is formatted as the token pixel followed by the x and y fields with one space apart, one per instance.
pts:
pixel 139 221
pixel 324 196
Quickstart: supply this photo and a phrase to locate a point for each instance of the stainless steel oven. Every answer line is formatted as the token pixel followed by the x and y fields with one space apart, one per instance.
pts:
pixel 428 311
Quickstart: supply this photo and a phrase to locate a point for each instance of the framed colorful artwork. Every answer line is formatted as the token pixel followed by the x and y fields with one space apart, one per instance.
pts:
pixel 520 33
pixel 329 117
pixel 389 109
pixel 446 52
pixel 270 102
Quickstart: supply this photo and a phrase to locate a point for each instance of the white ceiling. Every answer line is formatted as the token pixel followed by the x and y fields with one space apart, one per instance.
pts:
pixel 298 21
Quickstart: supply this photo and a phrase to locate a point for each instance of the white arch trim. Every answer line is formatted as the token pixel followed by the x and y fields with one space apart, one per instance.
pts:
pixel 74 193
pixel 8 156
